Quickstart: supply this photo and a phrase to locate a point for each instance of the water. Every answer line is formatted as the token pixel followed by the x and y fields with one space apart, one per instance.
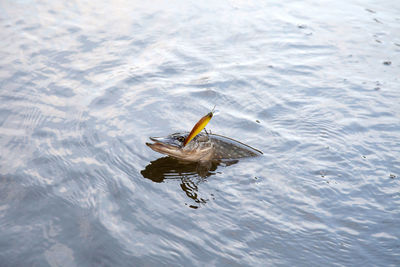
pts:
pixel 313 85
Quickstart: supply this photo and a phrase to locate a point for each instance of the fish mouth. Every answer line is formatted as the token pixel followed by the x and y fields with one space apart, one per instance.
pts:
pixel 164 146
pixel 161 142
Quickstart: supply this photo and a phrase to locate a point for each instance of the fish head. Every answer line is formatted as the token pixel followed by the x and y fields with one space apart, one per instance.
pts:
pixel 199 148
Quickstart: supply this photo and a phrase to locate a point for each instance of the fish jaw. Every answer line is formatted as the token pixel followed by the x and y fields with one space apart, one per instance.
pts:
pixel 192 152
pixel 164 145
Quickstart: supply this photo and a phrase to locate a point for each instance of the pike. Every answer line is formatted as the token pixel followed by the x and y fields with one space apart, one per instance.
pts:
pixel 202 148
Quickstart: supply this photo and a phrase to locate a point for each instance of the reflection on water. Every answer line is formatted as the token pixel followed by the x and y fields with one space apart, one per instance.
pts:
pixel 191 174
pixel 171 168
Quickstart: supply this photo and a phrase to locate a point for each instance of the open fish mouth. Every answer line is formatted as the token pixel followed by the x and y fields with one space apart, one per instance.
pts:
pixel 155 139
pixel 161 142
pixel 156 146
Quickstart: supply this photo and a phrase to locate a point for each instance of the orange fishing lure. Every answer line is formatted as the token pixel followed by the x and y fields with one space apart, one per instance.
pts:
pixel 199 126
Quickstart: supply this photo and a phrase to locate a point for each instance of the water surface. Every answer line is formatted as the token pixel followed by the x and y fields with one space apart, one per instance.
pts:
pixel 313 85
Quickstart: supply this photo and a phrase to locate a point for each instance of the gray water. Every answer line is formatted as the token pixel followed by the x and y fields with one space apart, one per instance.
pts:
pixel 314 85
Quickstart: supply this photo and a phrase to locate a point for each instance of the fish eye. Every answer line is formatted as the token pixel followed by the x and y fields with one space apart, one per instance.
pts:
pixel 180 139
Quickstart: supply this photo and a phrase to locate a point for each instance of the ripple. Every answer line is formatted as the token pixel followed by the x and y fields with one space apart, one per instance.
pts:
pixel 84 85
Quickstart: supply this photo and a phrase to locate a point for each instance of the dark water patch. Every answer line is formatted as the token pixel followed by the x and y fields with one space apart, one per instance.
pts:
pixel 87 45
pixel 109 97
pixel 74 29
pixel 4 113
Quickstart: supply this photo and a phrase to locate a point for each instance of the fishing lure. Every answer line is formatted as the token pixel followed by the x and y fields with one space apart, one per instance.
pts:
pixel 199 126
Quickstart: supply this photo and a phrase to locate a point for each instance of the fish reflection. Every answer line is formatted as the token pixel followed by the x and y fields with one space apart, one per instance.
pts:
pixel 191 174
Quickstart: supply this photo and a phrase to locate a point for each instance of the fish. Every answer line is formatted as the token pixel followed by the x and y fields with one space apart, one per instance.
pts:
pixel 203 147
